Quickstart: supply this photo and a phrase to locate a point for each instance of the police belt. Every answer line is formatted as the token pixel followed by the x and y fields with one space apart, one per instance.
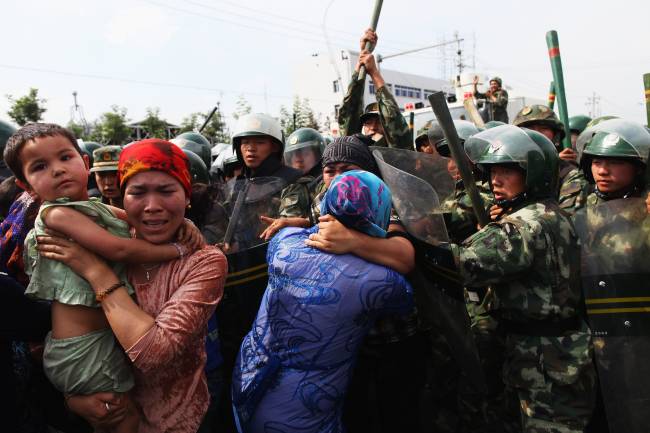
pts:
pixel 542 328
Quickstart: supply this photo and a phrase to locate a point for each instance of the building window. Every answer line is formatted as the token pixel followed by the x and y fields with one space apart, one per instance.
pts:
pixel 408 92
pixel 371 87
pixel 335 86
pixel 337 107
pixel 428 92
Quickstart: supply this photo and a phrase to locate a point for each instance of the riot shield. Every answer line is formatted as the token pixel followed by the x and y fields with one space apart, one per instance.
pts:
pixel 246 200
pixel 247 277
pixel 413 178
pixel 432 169
pixel 615 274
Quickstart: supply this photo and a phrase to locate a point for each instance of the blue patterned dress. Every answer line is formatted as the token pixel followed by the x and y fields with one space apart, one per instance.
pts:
pixel 294 365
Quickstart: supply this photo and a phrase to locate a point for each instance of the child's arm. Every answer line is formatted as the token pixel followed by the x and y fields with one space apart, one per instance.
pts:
pixel 120 213
pixel 88 234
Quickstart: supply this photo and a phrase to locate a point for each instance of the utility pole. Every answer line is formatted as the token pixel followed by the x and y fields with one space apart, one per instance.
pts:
pixel 593 103
pixel 459 53
pixel 77 114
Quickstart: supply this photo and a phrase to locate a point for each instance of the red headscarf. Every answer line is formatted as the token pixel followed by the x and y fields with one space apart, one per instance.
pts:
pixel 154 154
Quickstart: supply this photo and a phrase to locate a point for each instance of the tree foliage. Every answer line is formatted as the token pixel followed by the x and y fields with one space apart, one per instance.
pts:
pixel 216 130
pixel 28 108
pixel 300 116
pixel 242 107
pixel 153 125
pixel 111 127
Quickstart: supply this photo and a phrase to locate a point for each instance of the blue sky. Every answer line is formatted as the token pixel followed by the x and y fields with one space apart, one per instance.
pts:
pixel 185 55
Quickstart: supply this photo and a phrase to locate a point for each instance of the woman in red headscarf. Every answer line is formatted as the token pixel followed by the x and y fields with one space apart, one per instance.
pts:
pixel 164 332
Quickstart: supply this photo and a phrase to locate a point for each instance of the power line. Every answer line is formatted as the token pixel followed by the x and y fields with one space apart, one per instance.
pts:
pixel 151 83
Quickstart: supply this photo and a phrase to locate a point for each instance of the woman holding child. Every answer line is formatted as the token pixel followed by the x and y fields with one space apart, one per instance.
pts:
pixel 163 333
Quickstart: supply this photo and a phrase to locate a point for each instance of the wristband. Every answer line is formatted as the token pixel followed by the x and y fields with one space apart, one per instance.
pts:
pixel 100 296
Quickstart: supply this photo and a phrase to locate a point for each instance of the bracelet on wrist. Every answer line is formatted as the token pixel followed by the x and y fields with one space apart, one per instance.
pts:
pixel 180 248
pixel 101 295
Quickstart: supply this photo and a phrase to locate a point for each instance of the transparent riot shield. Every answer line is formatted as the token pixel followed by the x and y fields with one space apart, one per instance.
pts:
pixel 413 179
pixel 405 167
pixel 247 277
pixel 615 239
pixel 246 200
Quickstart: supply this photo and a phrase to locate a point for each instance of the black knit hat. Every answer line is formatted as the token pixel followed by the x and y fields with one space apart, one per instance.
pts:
pixel 352 149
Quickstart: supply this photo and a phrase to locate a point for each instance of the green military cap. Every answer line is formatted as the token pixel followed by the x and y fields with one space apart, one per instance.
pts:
pixel 372 109
pixel 106 158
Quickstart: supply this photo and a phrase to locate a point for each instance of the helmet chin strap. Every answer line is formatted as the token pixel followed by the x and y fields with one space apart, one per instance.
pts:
pixel 623 193
pixel 511 203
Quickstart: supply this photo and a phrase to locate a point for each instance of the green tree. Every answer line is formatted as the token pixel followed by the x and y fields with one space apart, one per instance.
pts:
pixel 242 107
pixel 111 127
pixel 300 116
pixel 27 108
pixel 77 130
pixel 190 123
pixel 153 125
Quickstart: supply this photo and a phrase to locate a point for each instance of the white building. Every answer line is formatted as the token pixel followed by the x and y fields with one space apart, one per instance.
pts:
pixel 318 80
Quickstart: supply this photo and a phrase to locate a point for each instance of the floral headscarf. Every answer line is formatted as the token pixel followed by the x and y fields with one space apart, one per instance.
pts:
pixel 359 200
pixel 154 154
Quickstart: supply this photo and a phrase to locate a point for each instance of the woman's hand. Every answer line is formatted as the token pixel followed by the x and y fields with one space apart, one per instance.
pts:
pixel 104 409
pixel 333 237
pixel 190 236
pixel 79 259
pixel 277 224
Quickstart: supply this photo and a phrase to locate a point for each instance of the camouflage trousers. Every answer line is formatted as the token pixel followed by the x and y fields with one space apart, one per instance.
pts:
pixel 550 381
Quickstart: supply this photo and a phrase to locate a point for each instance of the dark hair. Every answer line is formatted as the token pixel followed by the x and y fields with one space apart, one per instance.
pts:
pixel 8 193
pixel 30 132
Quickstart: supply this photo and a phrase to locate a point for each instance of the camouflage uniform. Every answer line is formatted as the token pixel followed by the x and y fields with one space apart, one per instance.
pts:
pixel 531 258
pixel 396 130
pixel 574 188
pixel 459 215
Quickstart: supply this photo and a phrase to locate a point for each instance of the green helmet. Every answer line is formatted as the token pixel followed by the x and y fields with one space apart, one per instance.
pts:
pixel 195 137
pixel 540 115
pixel 303 140
pixel 508 144
pixel 591 129
pixel 494 124
pixel 203 150
pixel 198 170
pixel 252 125
pixel 88 147
pixel 552 160
pixel 617 138
pixel 6 131
pixel 578 123
pixel 465 130
pixel 423 134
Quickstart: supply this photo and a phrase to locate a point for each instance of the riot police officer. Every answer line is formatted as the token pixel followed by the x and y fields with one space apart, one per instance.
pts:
pixel 573 187
pixel 259 144
pixel 530 257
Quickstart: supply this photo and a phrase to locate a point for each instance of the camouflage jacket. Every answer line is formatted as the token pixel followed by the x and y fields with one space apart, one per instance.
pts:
pixel 459 215
pixel 531 258
pixel 574 188
pixel 396 128
pixel 498 108
pixel 617 234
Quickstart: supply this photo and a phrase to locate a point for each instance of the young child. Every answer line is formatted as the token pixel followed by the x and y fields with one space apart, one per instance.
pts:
pixel 81 355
